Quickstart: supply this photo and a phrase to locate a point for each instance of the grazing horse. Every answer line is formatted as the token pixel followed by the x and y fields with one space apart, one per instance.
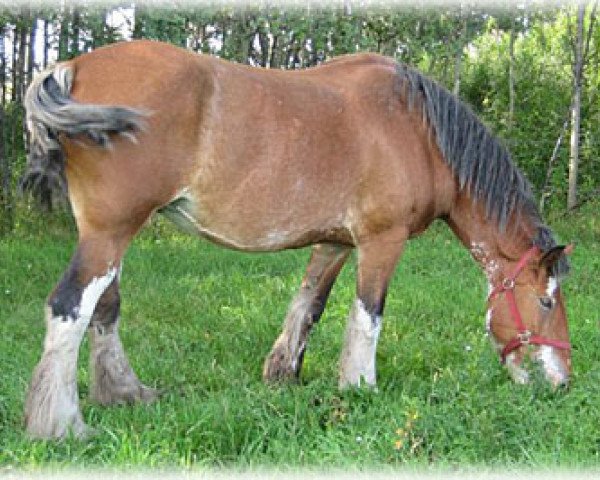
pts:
pixel 361 152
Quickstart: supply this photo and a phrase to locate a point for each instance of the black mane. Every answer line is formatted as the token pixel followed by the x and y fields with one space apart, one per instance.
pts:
pixel 481 163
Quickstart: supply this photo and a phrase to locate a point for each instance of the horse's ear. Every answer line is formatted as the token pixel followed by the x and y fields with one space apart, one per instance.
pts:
pixel 552 255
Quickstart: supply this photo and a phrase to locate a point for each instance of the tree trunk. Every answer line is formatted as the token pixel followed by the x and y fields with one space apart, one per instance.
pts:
pixel 99 35
pixel 511 73
pixel 273 63
pixel 457 69
pixel 31 50
pixel 265 44
pixel 546 188
pixel 347 8
pixel 75 29
pixel 3 64
pixel 460 42
pixel 138 22
pixel 14 63
pixel 46 44
pixel 20 86
pixel 6 203
pixel 63 38
pixel 576 112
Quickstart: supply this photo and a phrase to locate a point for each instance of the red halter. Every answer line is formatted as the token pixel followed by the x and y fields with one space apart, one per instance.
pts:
pixel 524 336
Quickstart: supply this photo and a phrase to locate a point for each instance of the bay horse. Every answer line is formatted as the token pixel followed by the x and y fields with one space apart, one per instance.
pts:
pixel 360 152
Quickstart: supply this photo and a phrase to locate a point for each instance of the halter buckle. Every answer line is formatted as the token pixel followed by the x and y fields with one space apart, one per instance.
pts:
pixel 508 284
pixel 524 337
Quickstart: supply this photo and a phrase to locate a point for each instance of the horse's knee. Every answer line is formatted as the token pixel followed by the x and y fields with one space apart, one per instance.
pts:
pixel 79 290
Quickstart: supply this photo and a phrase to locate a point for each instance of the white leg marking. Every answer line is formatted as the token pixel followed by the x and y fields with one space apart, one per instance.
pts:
pixel 358 355
pixel 52 405
pixel 92 293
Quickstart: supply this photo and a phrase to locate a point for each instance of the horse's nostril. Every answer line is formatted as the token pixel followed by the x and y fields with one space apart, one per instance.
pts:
pixel 558 381
pixel 562 384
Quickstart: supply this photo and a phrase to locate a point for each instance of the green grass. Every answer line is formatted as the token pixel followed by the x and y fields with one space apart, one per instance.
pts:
pixel 199 320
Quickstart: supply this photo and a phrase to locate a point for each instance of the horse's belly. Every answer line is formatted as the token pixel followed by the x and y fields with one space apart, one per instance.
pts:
pixel 183 212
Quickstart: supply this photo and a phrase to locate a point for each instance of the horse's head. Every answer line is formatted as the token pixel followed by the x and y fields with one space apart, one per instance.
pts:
pixel 526 317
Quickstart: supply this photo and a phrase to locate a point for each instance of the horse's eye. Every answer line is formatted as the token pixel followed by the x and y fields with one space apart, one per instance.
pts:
pixel 547 303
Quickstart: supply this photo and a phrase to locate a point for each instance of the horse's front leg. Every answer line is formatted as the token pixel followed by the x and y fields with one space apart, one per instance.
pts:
pixel 52 404
pixel 285 360
pixel 377 258
pixel 113 379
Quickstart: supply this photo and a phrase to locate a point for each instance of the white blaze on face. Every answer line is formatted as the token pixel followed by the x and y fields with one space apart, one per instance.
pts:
pixel 552 286
pixel 554 369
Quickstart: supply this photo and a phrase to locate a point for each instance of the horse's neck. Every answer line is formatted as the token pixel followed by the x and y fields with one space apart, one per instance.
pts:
pixel 495 250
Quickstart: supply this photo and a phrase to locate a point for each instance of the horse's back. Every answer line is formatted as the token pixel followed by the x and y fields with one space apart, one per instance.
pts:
pixel 130 72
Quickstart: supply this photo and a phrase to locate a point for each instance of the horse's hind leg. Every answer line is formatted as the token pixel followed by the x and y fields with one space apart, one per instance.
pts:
pixel 377 257
pixel 52 404
pixel 285 359
pixel 113 380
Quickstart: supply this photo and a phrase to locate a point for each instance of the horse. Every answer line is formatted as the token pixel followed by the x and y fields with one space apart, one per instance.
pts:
pixel 361 152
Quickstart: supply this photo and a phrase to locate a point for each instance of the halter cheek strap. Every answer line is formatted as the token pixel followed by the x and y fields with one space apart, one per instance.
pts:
pixel 524 335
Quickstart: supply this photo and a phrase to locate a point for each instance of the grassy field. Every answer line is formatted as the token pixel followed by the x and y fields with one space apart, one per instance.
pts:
pixel 199 320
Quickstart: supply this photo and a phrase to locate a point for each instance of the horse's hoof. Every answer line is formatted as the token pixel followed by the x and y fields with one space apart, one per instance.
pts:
pixel 279 369
pixel 109 394
pixel 78 430
pixel 149 395
pixel 346 383
pixel 84 432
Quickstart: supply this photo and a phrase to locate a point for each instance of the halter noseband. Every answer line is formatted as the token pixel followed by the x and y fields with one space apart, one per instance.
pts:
pixel 524 335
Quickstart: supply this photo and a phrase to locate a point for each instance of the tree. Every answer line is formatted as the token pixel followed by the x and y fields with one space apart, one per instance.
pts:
pixel 520 70
pixel 6 198
pixel 580 57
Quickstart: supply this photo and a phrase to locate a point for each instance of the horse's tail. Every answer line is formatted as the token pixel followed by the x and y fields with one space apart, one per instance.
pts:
pixel 52 112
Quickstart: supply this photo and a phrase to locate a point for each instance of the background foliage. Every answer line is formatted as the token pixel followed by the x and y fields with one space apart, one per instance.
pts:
pixel 515 67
